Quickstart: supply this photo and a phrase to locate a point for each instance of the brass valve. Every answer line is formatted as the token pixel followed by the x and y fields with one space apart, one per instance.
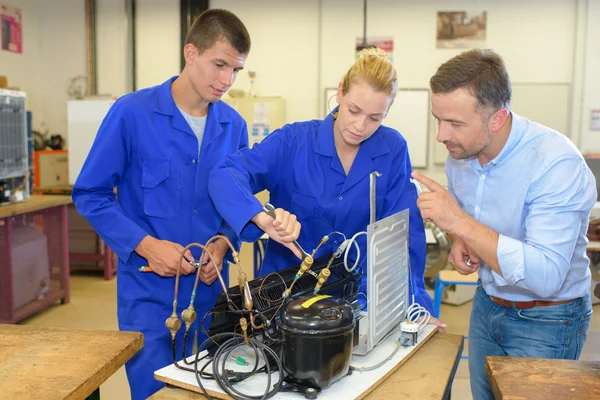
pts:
pixel 305 266
pixel 189 316
pixel 245 289
pixel 323 275
pixel 244 325
pixel 173 324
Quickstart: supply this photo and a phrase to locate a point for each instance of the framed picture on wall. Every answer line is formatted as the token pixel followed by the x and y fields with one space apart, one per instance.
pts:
pixel 10 20
pixel 461 29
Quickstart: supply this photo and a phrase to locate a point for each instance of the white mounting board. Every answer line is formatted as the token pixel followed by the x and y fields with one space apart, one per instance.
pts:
pixel 354 386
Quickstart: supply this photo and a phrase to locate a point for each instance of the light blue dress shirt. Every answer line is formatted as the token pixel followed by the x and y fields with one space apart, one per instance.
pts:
pixel 537 194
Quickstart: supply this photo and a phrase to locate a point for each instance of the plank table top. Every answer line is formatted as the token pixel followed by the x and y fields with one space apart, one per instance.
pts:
pixel 58 363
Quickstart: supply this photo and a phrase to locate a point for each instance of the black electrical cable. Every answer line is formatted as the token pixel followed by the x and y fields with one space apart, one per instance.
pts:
pixel 226 378
pixel 225 353
pixel 206 375
pixel 184 358
pixel 174 351
pixel 220 360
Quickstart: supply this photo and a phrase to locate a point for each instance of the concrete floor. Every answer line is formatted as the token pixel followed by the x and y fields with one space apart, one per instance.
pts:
pixel 93 306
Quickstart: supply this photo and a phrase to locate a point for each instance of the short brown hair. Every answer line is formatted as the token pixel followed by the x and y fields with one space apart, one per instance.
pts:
pixel 482 72
pixel 217 24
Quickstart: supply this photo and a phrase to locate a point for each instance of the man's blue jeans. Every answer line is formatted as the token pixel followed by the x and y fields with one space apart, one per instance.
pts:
pixel 541 332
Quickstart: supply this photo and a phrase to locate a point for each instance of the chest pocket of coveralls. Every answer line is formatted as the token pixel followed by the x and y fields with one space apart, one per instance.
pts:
pixel 161 189
pixel 305 208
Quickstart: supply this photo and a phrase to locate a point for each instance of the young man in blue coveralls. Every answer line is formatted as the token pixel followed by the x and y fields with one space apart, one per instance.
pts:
pixel 157 146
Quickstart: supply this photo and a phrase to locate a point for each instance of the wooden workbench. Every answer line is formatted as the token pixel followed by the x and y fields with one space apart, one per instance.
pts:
pixel 427 375
pixel 48 214
pixel 514 378
pixel 34 203
pixel 55 363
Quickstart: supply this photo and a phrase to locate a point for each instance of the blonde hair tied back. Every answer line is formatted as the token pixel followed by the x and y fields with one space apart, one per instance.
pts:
pixel 374 67
pixel 372 52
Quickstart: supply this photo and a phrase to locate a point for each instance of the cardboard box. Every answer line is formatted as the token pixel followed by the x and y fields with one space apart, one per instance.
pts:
pixel 51 167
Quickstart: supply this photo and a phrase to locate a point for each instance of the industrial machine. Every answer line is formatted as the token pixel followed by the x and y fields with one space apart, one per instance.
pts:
pixel 14 157
pixel 299 320
pixel 300 326
pixel 317 340
pixel 267 292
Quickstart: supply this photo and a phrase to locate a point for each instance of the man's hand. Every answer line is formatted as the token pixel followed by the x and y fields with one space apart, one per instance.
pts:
pixel 438 205
pixel 283 229
pixel 163 256
pixel 482 241
pixel 218 249
pixel 460 254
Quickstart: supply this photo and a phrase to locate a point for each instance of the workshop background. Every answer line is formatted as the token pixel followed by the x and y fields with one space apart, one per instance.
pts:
pixel 72 58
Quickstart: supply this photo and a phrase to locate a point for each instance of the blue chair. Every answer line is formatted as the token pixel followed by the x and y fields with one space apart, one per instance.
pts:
pixel 450 277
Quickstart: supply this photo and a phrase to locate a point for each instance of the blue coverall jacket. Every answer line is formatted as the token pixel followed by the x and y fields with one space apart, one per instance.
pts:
pixel 148 151
pixel 299 166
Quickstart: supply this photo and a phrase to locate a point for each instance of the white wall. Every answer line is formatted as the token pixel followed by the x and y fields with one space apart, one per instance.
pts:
pixel 53 52
pixel 590 140
pixel 113 63
pixel 528 34
pixel 300 48
pixel 62 57
pixel 158 47
pixel 290 39
pixel 284 51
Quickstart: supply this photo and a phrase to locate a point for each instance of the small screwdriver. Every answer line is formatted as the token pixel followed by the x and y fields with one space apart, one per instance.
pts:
pixel 147 268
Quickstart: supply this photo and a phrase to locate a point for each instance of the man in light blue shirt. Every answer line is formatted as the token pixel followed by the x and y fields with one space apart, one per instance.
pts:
pixel 518 207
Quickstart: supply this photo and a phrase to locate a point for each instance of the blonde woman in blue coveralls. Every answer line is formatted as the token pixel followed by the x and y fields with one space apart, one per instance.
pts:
pixel 319 172
pixel 157 147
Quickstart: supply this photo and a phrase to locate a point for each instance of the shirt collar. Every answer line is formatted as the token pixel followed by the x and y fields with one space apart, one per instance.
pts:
pixel 165 104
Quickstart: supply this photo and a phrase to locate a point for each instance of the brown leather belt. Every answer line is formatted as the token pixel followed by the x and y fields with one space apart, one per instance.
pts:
pixel 528 304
